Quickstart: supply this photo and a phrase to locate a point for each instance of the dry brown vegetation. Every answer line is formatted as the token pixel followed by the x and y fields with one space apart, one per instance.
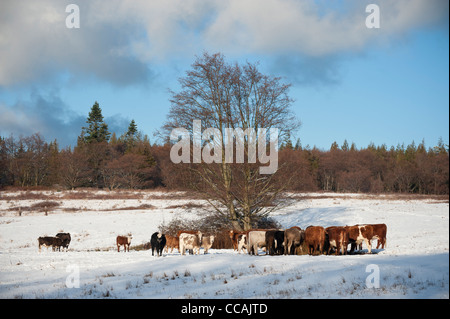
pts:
pixel 37 193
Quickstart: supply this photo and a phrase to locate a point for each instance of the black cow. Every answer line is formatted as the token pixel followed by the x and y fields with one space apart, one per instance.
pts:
pixel 279 240
pixel 54 242
pixel 158 241
pixel 65 237
pixel 274 242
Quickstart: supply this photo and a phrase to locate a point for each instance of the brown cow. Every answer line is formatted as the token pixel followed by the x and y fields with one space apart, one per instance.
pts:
pixel 359 233
pixel 242 242
pixel 207 242
pixel 172 242
pixel 47 241
pixel 234 236
pixel 337 238
pixel 125 241
pixel 270 242
pixel 315 238
pixel 379 233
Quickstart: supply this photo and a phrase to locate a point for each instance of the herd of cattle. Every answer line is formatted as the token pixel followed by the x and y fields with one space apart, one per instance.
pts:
pixel 316 239
pixel 60 240
pixel 290 241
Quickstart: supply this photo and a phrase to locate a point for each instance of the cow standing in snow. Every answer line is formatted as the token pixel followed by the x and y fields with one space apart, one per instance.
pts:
pixel 125 241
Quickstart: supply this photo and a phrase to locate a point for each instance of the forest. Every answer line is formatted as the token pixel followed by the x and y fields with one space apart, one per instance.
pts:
pixel 129 161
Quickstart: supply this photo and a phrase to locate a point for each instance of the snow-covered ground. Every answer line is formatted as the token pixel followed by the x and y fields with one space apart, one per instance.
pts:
pixel 415 263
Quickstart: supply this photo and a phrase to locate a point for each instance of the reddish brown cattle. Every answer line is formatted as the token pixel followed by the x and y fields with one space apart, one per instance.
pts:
pixel 234 236
pixel 270 242
pixel 125 241
pixel 242 242
pixel 359 233
pixel 337 238
pixel 172 242
pixel 379 233
pixel 207 242
pixel 315 239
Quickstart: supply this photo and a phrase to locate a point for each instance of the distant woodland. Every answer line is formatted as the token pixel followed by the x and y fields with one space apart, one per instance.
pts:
pixel 103 160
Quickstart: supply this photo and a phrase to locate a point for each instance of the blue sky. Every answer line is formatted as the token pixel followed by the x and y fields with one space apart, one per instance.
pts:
pixel 382 86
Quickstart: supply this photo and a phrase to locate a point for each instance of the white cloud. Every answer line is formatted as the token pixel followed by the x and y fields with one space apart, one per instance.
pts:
pixel 35 44
pixel 299 27
pixel 119 40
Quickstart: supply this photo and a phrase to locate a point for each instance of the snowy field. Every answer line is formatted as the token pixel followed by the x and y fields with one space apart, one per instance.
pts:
pixel 414 264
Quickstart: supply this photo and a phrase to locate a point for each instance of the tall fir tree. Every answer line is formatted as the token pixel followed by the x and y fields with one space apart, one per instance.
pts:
pixel 132 129
pixel 97 129
pixel 345 146
pixel 131 137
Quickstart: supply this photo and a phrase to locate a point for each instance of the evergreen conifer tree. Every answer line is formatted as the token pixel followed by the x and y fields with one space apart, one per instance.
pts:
pixel 132 129
pixel 131 137
pixel 97 129
pixel 345 145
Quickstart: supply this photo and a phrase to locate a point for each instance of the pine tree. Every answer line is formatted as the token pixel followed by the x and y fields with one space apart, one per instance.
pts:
pixel 132 129
pixel 441 148
pixel 287 143
pixel 334 146
pixel 131 137
pixel 298 144
pixel 345 146
pixel 97 129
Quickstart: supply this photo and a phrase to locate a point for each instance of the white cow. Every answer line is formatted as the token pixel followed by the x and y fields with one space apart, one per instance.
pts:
pixel 256 238
pixel 242 242
pixel 207 242
pixel 190 241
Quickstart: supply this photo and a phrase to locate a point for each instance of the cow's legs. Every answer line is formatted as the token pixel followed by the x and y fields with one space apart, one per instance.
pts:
pixel 368 244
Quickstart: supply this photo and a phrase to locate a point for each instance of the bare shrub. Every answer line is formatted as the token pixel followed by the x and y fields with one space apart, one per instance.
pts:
pixel 39 206
pixel 189 205
pixel 142 206
pixel 44 205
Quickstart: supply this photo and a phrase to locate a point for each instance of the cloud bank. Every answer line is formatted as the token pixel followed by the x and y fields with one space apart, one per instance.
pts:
pixel 123 43
pixel 118 41
pixel 50 116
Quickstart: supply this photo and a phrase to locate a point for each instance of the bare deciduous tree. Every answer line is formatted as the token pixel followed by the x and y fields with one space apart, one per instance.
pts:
pixel 230 96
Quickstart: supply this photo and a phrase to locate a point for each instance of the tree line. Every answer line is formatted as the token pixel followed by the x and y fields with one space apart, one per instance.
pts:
pixel 103 160
pixel 222 96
